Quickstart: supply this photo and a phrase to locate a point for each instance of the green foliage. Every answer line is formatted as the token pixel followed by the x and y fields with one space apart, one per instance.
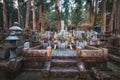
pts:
pixel 77 12
pixel 69 38
pixel 59 37
pixel 51 19
pixel 113 66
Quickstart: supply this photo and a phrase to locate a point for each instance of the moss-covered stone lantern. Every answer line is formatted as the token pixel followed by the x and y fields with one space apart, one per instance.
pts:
pixel 12 38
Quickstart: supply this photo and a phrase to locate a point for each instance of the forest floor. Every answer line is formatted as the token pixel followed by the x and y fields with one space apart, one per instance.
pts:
pixel 113 67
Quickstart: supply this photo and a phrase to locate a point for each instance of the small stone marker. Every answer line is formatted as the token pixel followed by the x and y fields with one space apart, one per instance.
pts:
pixel 27 45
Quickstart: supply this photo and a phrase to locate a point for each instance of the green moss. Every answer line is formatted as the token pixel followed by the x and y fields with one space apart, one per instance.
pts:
pixel 113 67
pixel 1 45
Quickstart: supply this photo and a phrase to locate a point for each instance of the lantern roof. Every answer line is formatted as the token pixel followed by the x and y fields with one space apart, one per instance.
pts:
pixel 15 28
pixel 12 37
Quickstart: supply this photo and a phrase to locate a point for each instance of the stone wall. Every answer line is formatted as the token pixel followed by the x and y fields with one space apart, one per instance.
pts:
pixel 114 49
pixel 34 58
pixel 93 56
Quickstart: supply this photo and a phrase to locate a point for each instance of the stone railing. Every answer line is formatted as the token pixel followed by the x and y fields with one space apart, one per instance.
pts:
pixel 92 55
pixel 35 58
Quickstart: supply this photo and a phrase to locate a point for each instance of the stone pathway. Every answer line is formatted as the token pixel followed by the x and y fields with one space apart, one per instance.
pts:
pixel 63 67
pixel 63 53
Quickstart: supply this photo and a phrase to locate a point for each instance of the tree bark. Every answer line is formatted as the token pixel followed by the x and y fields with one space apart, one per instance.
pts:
pixel 110 25
pixel 18 11
pixel 5 19
pixel 58 17
pixel 96 6
pixel 41 18
pixel 34 15
pixel 103 26
pixel 27 14
pixel 92 13
pixel 117 18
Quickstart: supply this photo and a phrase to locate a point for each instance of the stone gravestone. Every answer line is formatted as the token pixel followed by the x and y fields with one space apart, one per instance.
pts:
pixel 27 45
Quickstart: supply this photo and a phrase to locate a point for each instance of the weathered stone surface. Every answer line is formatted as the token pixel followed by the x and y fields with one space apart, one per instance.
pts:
pixel 82 70
pixel 4 65
pixel 65 54
pixel 114 59
pixel 64 72
pixel 35 57
pixel 4 54
pixel 63 65
pixel 104 74
pixel 46 70
pixel 93 55
pixel 15 64
pixel 63 62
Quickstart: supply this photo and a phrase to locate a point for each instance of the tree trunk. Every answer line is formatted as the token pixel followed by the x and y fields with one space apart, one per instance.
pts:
pixel 117 18
pixel 5 20
pixel 103 26
pixel 96 6
pixel 27 15
pixel 110 25
pixel 34 15
pixel 92 13
pixel 58 17
pixel 41 18
pixel 59 21
pixel 18 11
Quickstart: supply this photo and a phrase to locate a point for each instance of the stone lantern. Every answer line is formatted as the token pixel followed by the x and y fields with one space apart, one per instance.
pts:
pixel 12 38
pixel 16 29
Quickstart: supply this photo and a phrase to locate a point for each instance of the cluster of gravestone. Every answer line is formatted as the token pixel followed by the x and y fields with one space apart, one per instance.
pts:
pixel 79 63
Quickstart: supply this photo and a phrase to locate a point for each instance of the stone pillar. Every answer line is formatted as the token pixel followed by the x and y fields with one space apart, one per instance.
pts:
pixel 105 51
pixel 78 51
pixel 49 53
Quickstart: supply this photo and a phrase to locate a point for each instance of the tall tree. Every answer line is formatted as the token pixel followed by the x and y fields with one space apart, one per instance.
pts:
pixel 110 25
pixel 27 14
pixel 41 18
pixel 5 19
pixel 1 15
pixel 103 26
pixel 58 14
pixel 117 18
pixel 34 15
pixel 96 10
pixel 76 13
pixel 91 11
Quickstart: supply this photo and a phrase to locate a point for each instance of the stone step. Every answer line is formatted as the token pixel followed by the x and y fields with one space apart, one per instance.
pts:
pixel 31 69
pixel 58 72
pixel 64 57
pixel 64 63
pixel 64 79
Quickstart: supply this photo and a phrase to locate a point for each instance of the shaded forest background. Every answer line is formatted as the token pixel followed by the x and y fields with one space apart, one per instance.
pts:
pixel 43 14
